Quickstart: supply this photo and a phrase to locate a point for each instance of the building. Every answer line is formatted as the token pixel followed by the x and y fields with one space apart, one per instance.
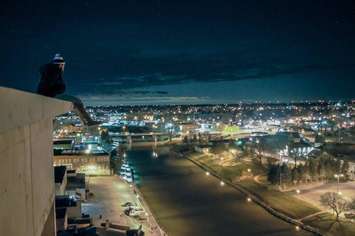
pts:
pixel 26 170
pixel 287 144
pixel 63 144
pixel 72 205
pixel 88 164
pixel 76 185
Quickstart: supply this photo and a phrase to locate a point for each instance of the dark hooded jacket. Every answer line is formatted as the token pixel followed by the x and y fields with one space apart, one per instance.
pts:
pixel 51 83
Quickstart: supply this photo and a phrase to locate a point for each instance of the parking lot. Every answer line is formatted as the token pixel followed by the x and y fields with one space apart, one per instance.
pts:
pixel 109 195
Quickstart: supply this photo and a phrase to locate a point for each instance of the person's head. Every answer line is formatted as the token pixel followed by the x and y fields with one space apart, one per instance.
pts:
pixel 58 60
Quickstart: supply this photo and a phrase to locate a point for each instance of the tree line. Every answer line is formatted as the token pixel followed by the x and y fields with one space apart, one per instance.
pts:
pixel 322 168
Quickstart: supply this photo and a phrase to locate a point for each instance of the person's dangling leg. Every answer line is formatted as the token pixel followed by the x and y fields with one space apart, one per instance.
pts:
pixel 79 109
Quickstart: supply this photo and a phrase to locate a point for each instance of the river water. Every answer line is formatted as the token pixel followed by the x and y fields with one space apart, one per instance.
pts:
pixel 187 202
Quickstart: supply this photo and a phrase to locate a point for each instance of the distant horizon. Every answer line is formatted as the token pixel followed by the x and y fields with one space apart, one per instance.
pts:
pixel 230 104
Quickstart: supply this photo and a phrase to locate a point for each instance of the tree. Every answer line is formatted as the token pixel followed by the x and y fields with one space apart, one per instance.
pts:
pixel 295 157
pixel 345 168
pixel 185 140
pixel 273 174
pixel 301 170
pixel 336 165
pixel 335 202
pixel 294 175
pixel 285 172
pixel 312 168
pixel 194 138
pixel 245 152
pixel 321 169
pixel 259 148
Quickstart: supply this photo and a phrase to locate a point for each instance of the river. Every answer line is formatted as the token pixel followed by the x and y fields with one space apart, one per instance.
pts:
pixel 187 202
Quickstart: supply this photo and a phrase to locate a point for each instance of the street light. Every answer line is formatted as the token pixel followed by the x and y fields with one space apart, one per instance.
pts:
pixel 207 173
pixel 338 177
pixel 248 199
pixel 155 155
pixel 222 183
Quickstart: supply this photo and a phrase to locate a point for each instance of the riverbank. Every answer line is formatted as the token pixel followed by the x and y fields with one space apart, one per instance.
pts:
pixel 283 205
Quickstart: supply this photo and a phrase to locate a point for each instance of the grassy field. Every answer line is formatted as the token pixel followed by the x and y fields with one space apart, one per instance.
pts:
pixel 283 202
pixel 228 172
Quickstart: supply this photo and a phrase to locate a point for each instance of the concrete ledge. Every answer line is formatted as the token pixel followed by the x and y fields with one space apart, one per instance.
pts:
pixel 26 156
pixel 19 108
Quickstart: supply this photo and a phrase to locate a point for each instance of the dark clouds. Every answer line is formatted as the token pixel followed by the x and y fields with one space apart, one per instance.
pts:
pixel 112 46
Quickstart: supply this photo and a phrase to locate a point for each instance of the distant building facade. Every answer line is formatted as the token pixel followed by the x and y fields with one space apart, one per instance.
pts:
pixel 88 164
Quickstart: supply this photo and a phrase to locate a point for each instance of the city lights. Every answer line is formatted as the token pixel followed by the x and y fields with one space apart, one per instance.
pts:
pixel 264 135
pixel 207 117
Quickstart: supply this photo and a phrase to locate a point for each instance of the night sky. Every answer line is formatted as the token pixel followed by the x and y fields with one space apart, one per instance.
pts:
pixel 134 52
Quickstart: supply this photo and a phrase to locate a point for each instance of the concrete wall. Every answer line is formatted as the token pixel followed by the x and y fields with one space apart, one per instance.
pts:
pixel 26 172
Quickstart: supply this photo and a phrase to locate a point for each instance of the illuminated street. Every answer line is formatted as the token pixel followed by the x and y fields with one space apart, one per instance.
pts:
pixel 186 201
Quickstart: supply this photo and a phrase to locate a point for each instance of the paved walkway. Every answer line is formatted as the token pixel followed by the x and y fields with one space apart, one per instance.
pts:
pixel 110 192
pixel 312 215
pixel 313 195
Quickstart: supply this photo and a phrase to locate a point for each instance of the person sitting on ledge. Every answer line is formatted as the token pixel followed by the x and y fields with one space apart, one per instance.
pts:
pixel 52 85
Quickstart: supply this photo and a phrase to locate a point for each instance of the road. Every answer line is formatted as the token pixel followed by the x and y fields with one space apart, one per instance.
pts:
pixel 187 202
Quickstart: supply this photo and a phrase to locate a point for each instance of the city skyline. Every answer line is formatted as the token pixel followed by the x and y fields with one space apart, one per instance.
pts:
pixel 157 118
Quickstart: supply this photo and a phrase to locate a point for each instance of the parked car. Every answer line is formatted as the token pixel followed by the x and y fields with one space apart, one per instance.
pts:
pixel 136 208
pixel 136 213
pixel 127 204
